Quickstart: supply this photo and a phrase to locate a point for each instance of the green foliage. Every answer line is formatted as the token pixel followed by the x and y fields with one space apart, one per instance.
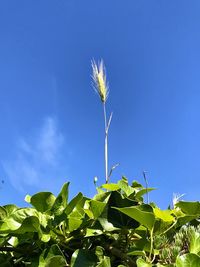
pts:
pixel 114 228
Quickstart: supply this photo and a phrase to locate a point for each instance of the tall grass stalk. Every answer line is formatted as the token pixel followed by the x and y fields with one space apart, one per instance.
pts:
pixel 101 87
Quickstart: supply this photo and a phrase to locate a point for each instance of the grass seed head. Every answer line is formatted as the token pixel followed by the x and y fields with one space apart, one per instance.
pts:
pixel 99 79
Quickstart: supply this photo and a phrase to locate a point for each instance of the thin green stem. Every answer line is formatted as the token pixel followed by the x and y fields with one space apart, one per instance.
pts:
pixel 151 243
pixel 106 143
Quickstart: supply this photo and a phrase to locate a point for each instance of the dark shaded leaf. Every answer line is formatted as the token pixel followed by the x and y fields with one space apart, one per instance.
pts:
pixel 189 208
pixel 143 214
pixel 117 218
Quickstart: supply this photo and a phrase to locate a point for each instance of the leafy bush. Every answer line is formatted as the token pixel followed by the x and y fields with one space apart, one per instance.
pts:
pixel 114 228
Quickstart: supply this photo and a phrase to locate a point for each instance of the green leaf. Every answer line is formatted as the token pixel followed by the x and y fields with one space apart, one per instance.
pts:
pixel 111 187
pixel 3 213
pixel 82 258
pixel 52 257
pixel 19 216
pixel 7 210
pixel 45 237
pixel 74 224
pixel 93 232
pixel 189 208
pixel 72 204
pixel 136 252
pixel 185 219
pixel 105 262
pixel 99 190
pixel 103 196
pixel 21 213
pixel 74 220
pixel 142 263
pixel 61 201
pixel 135 184
pixel 164 215
pixel 143 192
pixel 124 186
pixel 188 260
pixel 43 201
pixel 99 252
pixel 30 224
pixel 97 208
pixel 106 225
pixel 194 246
pixel 161 226
pixel 56 261
pixel 143 214
pixel 44 219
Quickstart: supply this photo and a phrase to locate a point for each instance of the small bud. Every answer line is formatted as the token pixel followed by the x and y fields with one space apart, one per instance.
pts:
pixel 95 179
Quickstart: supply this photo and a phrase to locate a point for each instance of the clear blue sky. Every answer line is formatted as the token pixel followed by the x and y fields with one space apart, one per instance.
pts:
pixel 51 119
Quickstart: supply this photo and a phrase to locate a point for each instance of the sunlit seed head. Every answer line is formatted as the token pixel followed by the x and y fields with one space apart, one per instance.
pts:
pixel 99 79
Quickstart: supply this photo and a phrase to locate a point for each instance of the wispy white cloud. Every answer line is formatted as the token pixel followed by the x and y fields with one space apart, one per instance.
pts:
pixel 49 142
pixel 36 158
